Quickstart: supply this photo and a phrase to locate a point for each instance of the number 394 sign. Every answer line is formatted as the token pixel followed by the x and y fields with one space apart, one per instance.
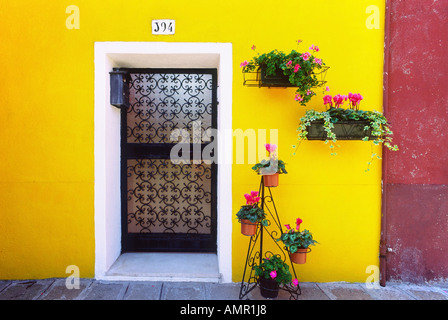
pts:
pixel 164 26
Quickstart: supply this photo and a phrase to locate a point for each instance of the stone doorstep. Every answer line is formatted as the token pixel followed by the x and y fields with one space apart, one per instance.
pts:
pixel 176 267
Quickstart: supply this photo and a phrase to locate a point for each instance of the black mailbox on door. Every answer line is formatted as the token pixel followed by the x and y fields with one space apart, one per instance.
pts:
pixel 119 88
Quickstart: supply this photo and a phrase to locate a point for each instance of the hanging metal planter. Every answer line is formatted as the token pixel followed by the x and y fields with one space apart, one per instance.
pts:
pixel 260 78
pixel 344 130
pixel 276 80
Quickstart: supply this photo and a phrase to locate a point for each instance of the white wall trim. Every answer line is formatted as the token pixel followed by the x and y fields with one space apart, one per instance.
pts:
pixel 107 138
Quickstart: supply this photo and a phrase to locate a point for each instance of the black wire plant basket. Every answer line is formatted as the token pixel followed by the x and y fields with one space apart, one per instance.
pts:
pixel 259 78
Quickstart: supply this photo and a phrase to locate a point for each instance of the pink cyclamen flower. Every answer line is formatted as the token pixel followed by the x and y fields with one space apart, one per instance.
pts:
pixel 255 197
pixel 305 56
pixel 273 274
pixel 244 63
pixel 252 198
pixel 298 222
pixel 289 63
pixel 355 98
pixel 253 47
pixel 318 61
pixel 327 99
pixel 296 67
pixel 288 227
pixel 298 97
pixel 338 100
pixel 327 88
pixel 299 41
pixel 248 198
pixel 308 92
pixel 295 282
pixel 270 147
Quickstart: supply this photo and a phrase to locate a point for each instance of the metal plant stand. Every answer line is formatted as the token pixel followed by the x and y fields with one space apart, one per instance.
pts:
pixel 255 249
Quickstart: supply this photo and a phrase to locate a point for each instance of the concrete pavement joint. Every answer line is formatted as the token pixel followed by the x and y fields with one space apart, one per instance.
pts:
pixel 328 294
pixel 160 293
pixel 406 292
pixel 45 291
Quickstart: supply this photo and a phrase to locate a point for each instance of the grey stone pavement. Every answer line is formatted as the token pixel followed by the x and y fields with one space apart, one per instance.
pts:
pixel 90 289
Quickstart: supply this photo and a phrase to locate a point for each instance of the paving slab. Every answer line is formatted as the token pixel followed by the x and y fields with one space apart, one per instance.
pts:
pixel 345 291
pixel 224 291
pixel 143 291
pixel 311 291
pixel 4 284
pixel 426 293
pixel 389 292
pixel 25 290
pixel 104 290
pixel 60 291
pixel 184 291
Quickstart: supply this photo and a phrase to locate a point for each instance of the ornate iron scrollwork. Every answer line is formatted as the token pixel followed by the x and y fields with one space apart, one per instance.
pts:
pixel 168 206
pixel 168 198
pixel 161 103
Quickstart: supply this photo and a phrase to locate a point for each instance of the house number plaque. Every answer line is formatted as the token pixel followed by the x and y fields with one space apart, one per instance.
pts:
pixel 164 26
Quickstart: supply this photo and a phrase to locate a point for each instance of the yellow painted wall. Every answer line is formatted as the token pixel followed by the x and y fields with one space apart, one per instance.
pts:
pixel 47 101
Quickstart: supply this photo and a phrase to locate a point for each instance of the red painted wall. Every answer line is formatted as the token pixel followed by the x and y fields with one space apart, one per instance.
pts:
pixel 416 177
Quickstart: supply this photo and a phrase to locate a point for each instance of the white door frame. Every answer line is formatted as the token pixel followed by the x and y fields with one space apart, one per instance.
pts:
pixel 107 138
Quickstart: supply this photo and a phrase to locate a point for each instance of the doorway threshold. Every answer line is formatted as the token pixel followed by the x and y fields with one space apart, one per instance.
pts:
pixel 155 266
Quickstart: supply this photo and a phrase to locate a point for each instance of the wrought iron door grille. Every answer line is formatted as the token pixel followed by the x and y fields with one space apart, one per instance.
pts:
pixel 164 197
pixel 168 206
pixel 162 102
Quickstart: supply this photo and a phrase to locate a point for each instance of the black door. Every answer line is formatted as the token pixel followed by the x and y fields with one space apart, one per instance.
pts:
pixel 168 206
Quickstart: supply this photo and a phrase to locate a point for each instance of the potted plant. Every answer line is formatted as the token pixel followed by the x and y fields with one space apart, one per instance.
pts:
pixel 296 69
pixel 297 242
pixel 270 169
pixel 251 214
pixel 273 272
pixel 349 123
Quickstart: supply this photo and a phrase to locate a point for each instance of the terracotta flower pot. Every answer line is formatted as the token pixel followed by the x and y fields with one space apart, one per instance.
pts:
pixel 270 180
pixel 268 288
pixel 248 228
pixel 299 257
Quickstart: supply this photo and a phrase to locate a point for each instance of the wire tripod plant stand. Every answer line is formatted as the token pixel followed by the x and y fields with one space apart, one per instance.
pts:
pixel 255 251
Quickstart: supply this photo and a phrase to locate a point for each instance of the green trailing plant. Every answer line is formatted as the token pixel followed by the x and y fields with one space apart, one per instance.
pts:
pixel 377 124
pixel 251 211
pixel 271 166
pixel 301 68
pixel 274 268
pixel 294 239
